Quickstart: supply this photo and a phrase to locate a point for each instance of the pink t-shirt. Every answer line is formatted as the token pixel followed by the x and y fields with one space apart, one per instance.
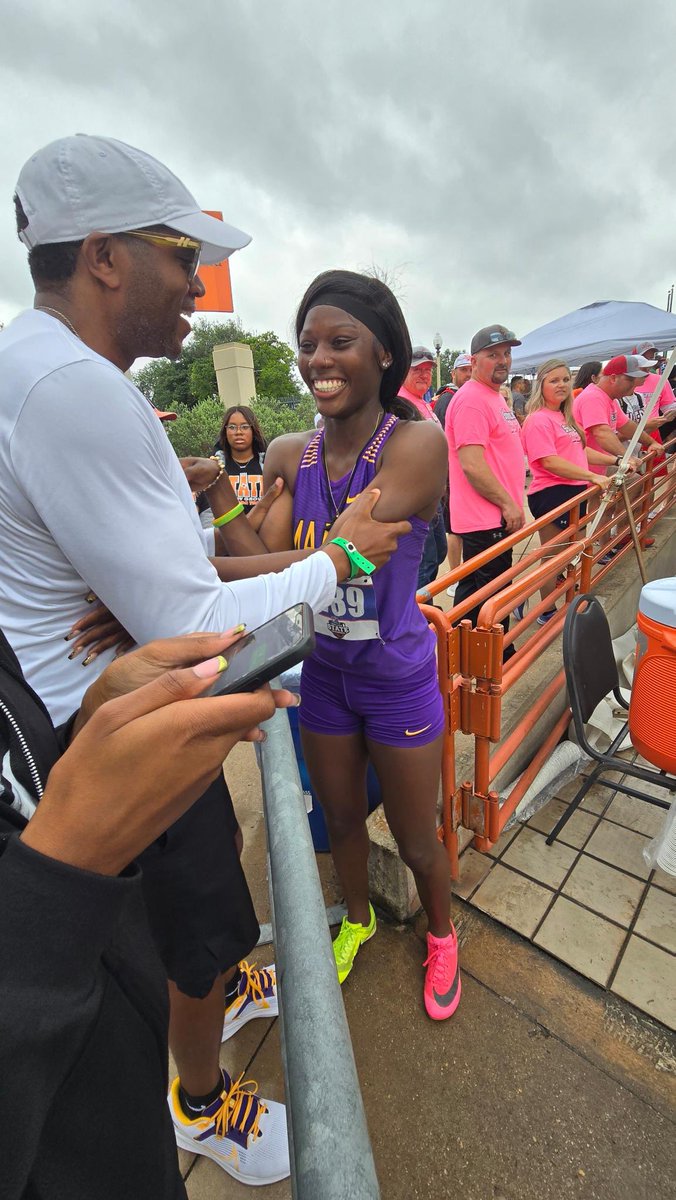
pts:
pixel 417 402
pixel 545 432
pixel 593 407
pixel 478 416
pixel 667 398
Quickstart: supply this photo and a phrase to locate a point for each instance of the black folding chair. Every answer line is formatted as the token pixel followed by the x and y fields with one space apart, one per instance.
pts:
pixel 591 673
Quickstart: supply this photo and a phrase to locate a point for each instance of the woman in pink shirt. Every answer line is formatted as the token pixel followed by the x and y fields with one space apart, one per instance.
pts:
pixel 557 454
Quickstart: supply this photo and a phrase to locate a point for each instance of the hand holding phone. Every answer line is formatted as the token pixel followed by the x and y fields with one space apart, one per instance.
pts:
pixel 267 651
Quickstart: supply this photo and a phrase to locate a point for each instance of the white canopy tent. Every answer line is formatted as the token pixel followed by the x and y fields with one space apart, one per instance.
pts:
pixel 597 331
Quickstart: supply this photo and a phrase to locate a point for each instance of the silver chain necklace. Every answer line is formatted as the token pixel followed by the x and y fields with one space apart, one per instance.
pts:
pixel 56 313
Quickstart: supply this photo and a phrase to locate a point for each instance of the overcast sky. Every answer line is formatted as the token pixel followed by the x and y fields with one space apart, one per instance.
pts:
pixel 500 161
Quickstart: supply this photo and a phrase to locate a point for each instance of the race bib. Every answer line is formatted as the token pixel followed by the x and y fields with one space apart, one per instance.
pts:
pixel 353 614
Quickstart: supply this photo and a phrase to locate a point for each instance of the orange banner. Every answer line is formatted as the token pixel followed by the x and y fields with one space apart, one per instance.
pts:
pixel 218 294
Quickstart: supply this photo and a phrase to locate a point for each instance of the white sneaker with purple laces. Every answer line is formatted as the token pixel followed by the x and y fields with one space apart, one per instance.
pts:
pixel 256 997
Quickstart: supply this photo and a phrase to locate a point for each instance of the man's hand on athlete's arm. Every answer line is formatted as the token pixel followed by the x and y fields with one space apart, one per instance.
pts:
pixel 375 540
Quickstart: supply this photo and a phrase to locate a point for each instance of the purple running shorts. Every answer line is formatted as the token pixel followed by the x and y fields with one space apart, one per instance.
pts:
pixel 406 711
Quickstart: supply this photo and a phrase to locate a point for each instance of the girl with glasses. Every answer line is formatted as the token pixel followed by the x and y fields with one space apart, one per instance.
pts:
pixel 241 446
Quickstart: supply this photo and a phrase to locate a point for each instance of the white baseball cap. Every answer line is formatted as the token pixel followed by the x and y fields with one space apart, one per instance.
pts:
pixel 463 360
pixel 82 184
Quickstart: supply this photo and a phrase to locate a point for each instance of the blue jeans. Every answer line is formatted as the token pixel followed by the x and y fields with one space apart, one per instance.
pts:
pixel 434 550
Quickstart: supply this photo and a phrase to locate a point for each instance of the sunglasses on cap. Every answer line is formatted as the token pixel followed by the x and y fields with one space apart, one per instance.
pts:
pixel 497 337
pixel 165 239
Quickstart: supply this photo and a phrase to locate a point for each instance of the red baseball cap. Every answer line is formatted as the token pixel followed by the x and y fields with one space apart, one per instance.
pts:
pixel 633 365
pixel 165 416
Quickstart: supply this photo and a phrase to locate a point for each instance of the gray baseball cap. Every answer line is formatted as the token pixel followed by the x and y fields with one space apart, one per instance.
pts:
pixel 493 335
pixel 420 354
pixel 82 184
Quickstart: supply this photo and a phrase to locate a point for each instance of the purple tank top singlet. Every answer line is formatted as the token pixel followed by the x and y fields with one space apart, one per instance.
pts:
pixel 374 623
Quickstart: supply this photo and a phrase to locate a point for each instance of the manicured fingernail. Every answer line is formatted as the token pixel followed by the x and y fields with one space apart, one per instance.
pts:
pixel 90 598
pixel 212 666
pixel 238 629
pixel 73 653
pixel 296 700
pixel 90 658
pixel 69 637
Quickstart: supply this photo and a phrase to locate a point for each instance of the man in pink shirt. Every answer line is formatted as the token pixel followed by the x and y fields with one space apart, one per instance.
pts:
pixel 417 382
pixel 665 411
pixel 485 460
pixel 598 412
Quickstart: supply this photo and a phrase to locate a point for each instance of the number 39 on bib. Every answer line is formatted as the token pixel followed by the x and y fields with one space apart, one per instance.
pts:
pixel 353 614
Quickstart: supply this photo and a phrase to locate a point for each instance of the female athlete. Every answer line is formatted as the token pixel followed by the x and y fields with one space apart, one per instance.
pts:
pixel 370 689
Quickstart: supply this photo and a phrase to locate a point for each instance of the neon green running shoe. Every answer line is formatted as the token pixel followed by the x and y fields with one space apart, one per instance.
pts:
pixel 348 942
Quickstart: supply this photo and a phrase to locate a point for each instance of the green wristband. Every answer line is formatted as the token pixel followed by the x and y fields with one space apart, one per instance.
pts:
pixel 358 564
pixel 219 522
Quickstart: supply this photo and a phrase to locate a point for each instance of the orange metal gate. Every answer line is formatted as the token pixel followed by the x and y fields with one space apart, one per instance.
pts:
pixel 472 676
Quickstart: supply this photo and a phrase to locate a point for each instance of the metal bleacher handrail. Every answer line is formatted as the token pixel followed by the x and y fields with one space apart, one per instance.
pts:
pixel 331 1154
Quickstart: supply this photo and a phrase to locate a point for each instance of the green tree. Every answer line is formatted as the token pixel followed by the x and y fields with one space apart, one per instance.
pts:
pixel 191 378
pixel 448 357
pixel 196 428
pixel 284 416
pixel 166 384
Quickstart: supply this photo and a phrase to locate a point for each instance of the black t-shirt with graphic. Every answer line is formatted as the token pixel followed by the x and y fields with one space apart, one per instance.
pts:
pixel 246 479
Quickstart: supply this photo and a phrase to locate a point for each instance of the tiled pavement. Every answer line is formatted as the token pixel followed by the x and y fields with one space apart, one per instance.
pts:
pixel 589 899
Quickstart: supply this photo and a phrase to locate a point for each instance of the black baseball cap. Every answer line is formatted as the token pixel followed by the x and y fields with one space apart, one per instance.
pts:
pixel 493 335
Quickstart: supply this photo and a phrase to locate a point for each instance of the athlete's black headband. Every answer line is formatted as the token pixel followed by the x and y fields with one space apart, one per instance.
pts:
pixel 361 312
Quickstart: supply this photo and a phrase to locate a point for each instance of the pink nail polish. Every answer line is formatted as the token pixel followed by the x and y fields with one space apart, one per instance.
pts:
pixel 212 666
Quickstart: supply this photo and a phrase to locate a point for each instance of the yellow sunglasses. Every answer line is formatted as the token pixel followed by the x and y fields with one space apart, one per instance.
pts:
pixel 165 239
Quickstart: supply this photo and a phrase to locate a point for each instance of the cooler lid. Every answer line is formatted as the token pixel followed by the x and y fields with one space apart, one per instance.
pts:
pixel 658 601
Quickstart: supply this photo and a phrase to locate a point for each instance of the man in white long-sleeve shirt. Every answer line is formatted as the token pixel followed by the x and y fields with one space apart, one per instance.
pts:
pixel 93 497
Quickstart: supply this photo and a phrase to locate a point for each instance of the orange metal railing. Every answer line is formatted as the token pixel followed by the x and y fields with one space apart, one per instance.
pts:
pixel 472 675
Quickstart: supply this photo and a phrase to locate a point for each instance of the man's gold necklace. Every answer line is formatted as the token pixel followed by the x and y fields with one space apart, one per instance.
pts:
pixel 62 316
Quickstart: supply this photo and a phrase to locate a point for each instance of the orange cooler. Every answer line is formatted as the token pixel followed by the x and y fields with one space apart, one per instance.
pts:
pixel 652 711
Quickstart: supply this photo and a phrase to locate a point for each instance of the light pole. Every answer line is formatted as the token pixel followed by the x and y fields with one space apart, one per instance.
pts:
pixel 437 347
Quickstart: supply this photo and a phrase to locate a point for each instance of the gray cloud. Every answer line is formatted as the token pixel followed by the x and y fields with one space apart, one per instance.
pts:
pixel 504 163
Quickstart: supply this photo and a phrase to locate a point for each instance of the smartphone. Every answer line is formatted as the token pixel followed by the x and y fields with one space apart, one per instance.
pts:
pixel 267 651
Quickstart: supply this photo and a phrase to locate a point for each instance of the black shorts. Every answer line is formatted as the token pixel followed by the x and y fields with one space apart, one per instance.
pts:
pixel 542 502
pixel 198 901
